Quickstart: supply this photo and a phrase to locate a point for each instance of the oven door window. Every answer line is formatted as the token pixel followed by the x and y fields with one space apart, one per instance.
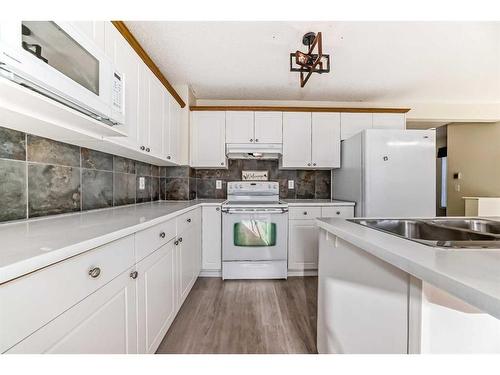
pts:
pixel 52 45
pixel 254 233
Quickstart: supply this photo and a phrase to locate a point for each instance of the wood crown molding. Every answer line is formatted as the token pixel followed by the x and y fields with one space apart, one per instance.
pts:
pixel 129 37
pixel 299 109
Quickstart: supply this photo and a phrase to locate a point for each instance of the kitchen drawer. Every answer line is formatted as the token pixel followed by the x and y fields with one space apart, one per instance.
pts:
pixel 304 213
pixel 187 220
pixel 337 211
pixel 151 239
pixel 31 301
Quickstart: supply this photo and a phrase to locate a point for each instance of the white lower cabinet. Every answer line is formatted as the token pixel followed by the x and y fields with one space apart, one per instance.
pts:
pixel 211 241
pixel 189 259
pixel 303 235
pixel 103 323
pixel 302 245
pixel 156 296
pixel 107 300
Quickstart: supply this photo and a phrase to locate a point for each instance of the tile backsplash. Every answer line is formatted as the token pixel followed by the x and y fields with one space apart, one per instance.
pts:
pixel 187 183
pixel 39 177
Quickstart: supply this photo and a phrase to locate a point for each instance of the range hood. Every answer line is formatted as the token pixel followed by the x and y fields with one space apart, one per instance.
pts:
pixel 254 151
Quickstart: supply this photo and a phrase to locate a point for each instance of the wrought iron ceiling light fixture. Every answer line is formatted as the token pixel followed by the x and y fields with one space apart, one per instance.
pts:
pixel 313 61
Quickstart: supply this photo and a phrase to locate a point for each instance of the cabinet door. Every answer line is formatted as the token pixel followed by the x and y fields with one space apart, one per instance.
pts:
pixel 189 259
pixel 174 123
pixel 95 30
pixel 296 139
pixel 268 127
pixel 353 123
pixel 156 297
pixel 302 245
pixel 325 140
pixel 208 139
pixel 127 62
pixel 103 323
pixel 389 121
pixel 239 127
pixel 143 106
pixel 155 117
pixel 211 238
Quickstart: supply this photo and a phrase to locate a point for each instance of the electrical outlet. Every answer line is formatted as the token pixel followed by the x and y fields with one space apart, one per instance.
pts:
pixel 142 183
pixel 218 184
pixel 291 184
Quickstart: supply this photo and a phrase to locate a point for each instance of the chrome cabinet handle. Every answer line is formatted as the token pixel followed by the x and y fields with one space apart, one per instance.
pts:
pixel 143 148
pixel 309 164
pixel 188 220
pixel 314 163
pixel 180 239
pixel 162 234
pixel 134 274
pixel 148 149
pixel 94 272
pixel 338 212
pixel 217 209
pixel 222 163
pixel 251 140
pixel 256 140
pixel 176 243
pixel 168 157
pixel 305 212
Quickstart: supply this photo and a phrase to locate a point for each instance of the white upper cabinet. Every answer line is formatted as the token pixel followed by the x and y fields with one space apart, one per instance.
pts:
pixel 253 127
pixel 389 121
pixel 325 140
pixel 353 123
pixel 208 137
pixel 143 107
pixel 95 30
pixel 155 111
pixel 240 127
pixel 268 127
pixel 296 140
pixel 171 124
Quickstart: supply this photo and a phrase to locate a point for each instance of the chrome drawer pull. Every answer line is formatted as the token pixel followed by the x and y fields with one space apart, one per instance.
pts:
pixel 162 234
pixel 176 243
pixel 180 239
pixel 134 274
pixel 188 220
pixel 94 272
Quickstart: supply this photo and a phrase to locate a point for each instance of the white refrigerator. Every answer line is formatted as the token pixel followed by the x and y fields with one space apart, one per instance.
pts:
pixel 388 173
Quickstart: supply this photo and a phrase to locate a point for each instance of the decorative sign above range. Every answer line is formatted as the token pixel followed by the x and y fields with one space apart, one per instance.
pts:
pixel 255 175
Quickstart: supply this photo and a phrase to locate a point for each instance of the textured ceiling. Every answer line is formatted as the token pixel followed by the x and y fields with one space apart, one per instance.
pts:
pixel 371 61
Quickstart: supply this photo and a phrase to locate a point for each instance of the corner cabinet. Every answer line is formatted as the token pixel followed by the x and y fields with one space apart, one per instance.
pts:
pixel 311 140
pixel 353 123
pixel 208 139
pixel 303 235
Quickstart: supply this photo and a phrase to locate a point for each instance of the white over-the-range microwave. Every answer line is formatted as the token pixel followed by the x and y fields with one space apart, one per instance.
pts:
pixel 59 61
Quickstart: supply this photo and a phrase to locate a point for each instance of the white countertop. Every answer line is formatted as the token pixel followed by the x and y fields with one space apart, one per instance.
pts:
pixel 317 202
pixel 472 275
pixel 29 245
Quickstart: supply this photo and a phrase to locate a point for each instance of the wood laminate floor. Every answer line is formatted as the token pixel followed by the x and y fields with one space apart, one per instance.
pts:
pixel 246 316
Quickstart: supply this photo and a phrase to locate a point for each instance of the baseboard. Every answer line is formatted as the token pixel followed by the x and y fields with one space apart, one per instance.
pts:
pixel 292 273
pixel 210 273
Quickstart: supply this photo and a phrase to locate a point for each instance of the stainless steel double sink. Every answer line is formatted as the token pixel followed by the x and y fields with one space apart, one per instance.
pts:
pixel 457 233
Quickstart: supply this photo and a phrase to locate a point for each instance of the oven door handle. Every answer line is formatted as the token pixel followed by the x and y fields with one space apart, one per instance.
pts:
pixel 260 212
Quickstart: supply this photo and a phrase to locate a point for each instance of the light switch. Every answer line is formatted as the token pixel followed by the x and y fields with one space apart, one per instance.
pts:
pixel 218 184
pixel 291 184
pixel 142 183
